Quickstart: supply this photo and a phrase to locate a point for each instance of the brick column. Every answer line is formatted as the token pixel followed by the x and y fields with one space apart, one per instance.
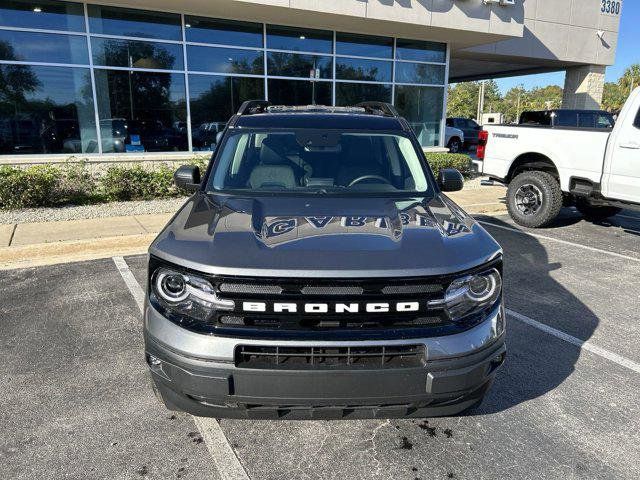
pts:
pixel 583 87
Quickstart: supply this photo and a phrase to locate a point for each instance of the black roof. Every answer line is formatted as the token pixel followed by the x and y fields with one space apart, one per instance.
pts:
pixel 341 121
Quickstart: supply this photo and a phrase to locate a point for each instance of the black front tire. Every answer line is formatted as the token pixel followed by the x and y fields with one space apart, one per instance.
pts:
pixel 545 189
pixel 596 213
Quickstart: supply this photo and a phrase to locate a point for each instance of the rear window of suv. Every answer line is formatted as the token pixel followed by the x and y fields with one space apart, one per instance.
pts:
pixel 312 161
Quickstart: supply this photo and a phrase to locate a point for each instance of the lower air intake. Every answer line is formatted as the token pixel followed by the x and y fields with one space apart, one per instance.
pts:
pixel 302 358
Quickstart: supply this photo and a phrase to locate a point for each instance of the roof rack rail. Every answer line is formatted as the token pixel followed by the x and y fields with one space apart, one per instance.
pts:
pixel 379 108
pixel 250 107
pixel 313 109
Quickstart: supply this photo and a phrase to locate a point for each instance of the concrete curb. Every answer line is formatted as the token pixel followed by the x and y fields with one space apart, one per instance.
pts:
pixel 73 251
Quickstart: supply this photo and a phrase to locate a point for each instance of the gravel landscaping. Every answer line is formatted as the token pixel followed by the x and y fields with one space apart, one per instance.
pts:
pixel 102 210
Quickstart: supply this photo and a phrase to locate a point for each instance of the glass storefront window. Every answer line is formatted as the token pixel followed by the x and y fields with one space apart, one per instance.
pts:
pixel 421 51
pixel 44 14
pixel 225 60
pixel 299 92
pixel 420 73
pixel 213 100
pixel 422 107
pixel 361 69
pixel 299 65
pixel 349 94
pixel 223 32
pixel 144 62
pixel 136 54
pixel 129 22
pixel 46 110
pixel 141 111
pixel 299 39
pixel 363 45
pixel 43 47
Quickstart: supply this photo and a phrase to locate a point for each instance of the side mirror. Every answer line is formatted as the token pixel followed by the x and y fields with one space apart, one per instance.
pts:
pixel 219 137
pixel 187 177
pixel 450 180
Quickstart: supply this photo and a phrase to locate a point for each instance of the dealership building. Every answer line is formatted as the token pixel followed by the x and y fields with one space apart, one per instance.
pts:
pixel 157 79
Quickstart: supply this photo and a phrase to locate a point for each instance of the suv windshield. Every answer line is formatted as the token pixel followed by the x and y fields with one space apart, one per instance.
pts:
pixel 311 161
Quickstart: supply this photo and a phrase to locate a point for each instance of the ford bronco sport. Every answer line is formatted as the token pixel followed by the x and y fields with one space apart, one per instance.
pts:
pixel 319 272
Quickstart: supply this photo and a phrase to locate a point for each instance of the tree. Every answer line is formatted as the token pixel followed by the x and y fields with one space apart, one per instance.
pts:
pixel 514 102
pixel 463 99
pixel 613 97
pixel 630 79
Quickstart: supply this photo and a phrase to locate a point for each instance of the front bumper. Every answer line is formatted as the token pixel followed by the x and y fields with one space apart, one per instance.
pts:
pixel 197 374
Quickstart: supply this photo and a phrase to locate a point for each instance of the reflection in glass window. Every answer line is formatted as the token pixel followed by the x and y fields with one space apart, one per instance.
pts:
pixel 419 73
pixel 223 32
pixel 422 107
pixel 421 51
pixel 299 92
pixel 299 65
pixel 363 45
pixel 299 39
pixel 361 69
pixel 46 110
pixel 213 100
pixel 43 47
pixel 348 94
pixel 225 60
pixel 141 111
pixel 136 54
pixel 45 14
pixel 129 22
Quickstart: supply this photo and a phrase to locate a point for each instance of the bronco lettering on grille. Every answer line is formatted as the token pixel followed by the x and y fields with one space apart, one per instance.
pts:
pixel 373 307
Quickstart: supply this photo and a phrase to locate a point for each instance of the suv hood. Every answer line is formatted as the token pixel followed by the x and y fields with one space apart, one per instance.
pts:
pixel 324 236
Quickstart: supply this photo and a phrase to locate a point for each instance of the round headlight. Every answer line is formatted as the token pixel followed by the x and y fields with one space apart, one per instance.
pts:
pixel 481 287
pixel 473 293
pixel 171 286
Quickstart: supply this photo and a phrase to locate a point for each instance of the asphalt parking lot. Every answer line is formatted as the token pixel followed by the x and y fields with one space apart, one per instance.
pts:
pixel 76 402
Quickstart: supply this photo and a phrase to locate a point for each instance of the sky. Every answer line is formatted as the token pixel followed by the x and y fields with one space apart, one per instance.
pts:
pixel 627 54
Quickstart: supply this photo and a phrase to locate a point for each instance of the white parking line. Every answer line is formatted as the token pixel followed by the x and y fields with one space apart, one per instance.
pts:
pixel 223 455
pixel 132 284
pixel 583 345
pixel 219 447
pixel 565 242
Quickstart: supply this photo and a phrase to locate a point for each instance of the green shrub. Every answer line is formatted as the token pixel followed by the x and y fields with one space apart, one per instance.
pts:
pixel 201 162
pixel 78 185
pixel 136 183
pixel 29 187
pixel 459 161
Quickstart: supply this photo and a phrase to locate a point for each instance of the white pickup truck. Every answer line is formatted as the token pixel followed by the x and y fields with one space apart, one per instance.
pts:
pixel 597 171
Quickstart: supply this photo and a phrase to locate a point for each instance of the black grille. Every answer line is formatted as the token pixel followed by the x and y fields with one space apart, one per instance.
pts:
pixel 331 290
pixel 302 292
pixel 300 358
pixel 250 288
pixel 412 289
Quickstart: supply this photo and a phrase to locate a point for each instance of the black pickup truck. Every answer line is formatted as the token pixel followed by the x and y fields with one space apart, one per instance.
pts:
pixel 318 271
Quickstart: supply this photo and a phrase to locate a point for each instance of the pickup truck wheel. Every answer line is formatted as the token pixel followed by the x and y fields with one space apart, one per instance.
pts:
pixel 596 213
pixel 454 145
pixel 534 199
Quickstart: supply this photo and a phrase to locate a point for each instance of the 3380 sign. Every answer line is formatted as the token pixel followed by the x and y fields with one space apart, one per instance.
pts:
pixel 612 7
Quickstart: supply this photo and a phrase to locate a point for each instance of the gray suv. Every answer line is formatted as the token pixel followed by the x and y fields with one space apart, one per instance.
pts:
pixel 318 271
